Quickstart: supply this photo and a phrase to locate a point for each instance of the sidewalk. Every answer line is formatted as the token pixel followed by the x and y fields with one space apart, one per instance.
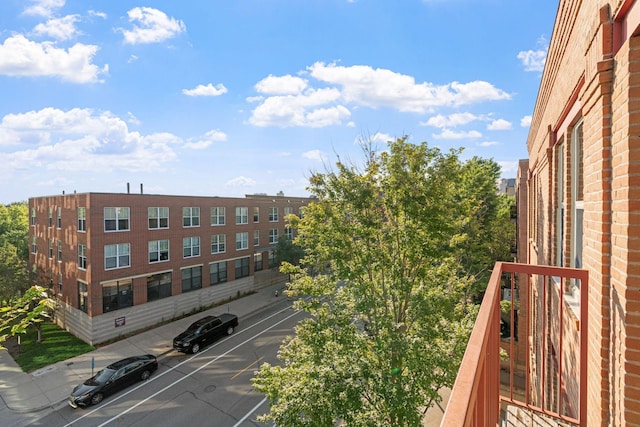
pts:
pixel 23 394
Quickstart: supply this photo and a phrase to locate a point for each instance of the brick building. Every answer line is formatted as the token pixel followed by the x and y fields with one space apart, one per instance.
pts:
pixel 122 262
pixel 583 203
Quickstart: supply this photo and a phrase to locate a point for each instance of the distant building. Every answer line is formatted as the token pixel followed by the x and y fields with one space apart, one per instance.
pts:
pixel 122 262
pixel 507 186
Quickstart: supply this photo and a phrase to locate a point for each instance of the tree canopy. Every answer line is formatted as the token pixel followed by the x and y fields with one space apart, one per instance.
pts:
pixel 386 278
pixel 14 250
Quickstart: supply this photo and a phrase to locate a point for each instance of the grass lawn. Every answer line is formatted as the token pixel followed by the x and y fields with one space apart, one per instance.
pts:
pixel 57 344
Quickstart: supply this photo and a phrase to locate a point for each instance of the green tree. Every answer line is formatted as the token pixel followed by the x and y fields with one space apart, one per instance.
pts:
pixel 14 250
pixel 288 251
pixel 388 318
pixel 30 310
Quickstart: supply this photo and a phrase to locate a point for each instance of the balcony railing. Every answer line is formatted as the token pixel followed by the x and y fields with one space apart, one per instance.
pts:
pixel 526 357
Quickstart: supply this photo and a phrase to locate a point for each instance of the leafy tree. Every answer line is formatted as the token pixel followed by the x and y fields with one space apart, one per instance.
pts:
pixel 288 251
pixel 14 279
pixel 14 227
pixel 14 250
pixel 31 309
pixel 389 320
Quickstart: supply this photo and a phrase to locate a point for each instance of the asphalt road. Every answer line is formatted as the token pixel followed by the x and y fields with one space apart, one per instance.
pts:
pixel 210 388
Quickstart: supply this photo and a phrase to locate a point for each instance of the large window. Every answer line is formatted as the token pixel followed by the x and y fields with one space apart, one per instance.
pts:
pixel 50 248
pixel 190 247
pixel 560 204
pixel 158 218
pixel 256 214
pixel 59 250
pixel 191 278
pixel 82 219
pixel 273 214
pixel 117 256
pixel 217 216
pixel 256 238
pixel 288 232
pixel 191 217
pixel 116 219
pixel 273 235
pixel 59 283
pixel 34 245
pixel 577 195
pixel 82 257
pixel 288 210
pixel 59 217
pixel 50 223
pixel 272 259
pixel 242 241
pixel 242 267
pixel 117 295
pixel 158 286
pixel 217 273
pixel 158 250
pixel 83 296
pixel 218 243
pixel 242 215
pixel 33 216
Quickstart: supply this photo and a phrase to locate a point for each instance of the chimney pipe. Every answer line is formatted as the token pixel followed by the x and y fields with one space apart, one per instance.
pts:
pixel 127 188
pixel 141 192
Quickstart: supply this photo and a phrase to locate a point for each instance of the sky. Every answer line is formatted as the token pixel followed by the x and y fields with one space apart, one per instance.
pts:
pixel 237 97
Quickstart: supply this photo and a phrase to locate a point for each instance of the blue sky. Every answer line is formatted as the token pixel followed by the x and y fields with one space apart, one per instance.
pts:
pixel 227 98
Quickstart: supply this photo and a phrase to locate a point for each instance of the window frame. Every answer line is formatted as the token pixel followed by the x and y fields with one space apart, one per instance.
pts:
pixel 190 216
pixel 155 247
pixel 120 255
pixel 218 213
pixel 119 219
pixel 191 246
pixel 242 241
pixel 156 213
pixel 221 246
pixel 242 215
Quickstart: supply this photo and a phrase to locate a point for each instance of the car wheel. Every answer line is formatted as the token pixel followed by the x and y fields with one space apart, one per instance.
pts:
pixel 229 330
pixel 145 375
pixel 96 398
pixel 195 348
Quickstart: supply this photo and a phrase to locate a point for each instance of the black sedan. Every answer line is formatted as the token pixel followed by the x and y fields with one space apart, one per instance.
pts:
pixel 113 378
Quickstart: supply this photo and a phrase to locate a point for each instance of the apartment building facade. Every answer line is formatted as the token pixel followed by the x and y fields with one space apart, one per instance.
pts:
pixel 120 262
pixel 582 206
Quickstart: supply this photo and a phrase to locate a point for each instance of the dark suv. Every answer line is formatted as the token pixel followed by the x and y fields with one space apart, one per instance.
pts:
pixel 204 331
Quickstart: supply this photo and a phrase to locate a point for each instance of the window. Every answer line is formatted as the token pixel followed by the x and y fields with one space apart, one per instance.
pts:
pixel 59 283
pixel 273 214
pixel 158 218
pixel 50 217
pixel 242 215
pixel 242 267
pixel 116 219
pixel 83 296
pixel 50 248
pixel 117 295
pixel 82 219
pixel 190 247
pixel 217 273
pixel 560 204
pixel 273 235
pixel 191 217
pixel 301 211
pixel 191 278
pixel 158 250
pixel 218 243
pixel 242 241
pixel 82 257
pixel 256 214
pixel 288 210
pixel 257 261
pixel 158 286
pixel 59 250
pixel 272 259
pixel 33 216
pixel 288 232
pixel 256 238
pixel 59 217
pixel 577 196
pixel 117 256
pixel 34 246
pixel 217 216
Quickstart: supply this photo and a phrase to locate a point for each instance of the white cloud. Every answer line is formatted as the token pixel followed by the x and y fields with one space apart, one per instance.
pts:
pixel 209 138
pixel 97 13
pixel 488 143
pixel 206 90
pixel 525 121
pixel 151 26
pixel 283 85
pixel 449 134
pixel 451 120
pixel 305 109
pixel 131 118
pixel 314 155
pixel 44 7
pixel 509 168
pixel 241 181
pixel 499 124
pixel 22 57
pixel 81 140
pixel 534 60
pixel 58 28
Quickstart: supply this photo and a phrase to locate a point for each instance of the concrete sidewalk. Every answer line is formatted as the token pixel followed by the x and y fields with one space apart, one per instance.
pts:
pixel 26 397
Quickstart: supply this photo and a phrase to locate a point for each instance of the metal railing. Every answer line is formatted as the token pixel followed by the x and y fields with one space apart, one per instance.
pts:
pixel 536 362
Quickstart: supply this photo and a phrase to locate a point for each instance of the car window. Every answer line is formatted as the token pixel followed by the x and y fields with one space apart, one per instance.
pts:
pixel 119 373
pixel 216 322
pixel 132 367
pixel 103 375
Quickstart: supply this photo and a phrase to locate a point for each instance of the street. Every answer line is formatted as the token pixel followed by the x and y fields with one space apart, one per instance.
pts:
pixel 212 387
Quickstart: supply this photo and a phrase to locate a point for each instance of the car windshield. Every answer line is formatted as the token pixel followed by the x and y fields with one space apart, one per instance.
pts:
pixel 194 326
pixel 104 375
